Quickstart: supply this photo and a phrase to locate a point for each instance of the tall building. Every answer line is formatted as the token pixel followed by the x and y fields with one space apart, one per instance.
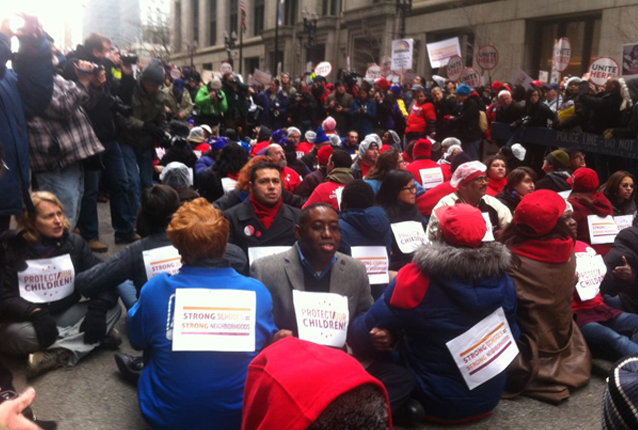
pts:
pixel 360 32
pixel 119 20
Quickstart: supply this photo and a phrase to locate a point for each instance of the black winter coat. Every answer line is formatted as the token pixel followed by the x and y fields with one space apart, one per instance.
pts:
pixel 626 244
pixel 466 126
pixel 604 109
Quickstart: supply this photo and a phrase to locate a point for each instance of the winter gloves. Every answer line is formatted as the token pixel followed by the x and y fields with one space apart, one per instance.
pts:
pixel 45 327
pixel 94 324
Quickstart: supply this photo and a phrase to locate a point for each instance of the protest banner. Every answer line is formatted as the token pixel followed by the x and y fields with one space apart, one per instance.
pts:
pixel 409 235
pixel 487 57
pixel 322 318
pixel 543 76
pixel 214 320
pixel 602 230
pixel 591 270
pixel 402 54
pixel 489 234
pixel 161 260
pixel 440 52
pixel 262 77
pixel 323 69
pixel 47 279
pixel 485 350
pixel 376 260
pixel 228 184
pixel 454 68
pixel 602 69
pixel 562 54
pixel 630 59
pixel 373 72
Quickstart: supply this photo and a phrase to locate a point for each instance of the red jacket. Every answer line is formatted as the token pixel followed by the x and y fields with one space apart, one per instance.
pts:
pixel 291 179
pixel 592 204
pixel 422 118
pixel 427 201
pixel 416 166
pixel 325 193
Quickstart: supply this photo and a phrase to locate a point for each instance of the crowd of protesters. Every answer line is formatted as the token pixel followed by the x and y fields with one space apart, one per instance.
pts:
pixel 216 171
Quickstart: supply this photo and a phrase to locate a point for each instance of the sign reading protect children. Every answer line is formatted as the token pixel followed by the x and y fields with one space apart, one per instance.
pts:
pixel 322 318
pixel 47 279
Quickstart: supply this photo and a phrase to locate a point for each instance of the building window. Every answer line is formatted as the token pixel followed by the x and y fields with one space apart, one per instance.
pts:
pixel 582 32
pixel 290 12
pixel 331 7
pixel 212 24
pixel 252 63
pixel 234 17
pixel 207 66
pixel 195 15
pixel 258 17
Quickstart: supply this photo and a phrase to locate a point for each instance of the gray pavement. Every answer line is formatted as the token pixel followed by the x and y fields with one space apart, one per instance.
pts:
pixel 91 396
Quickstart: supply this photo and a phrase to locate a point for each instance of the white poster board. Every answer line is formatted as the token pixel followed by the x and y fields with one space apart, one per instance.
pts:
pixel 630 59
pixel 440 52
pixel 602 69
pixel 485 350
pixel 322 318
pixel 409 235
pixel 373 72
pixel 228 184
pixel 402 54
pixel 522 78
pixel 47 279
pixel 214 320
pixel 255 254
pixel 489 234
pixel 376 260
pixel 591 271
pixel 487 57
pixel 161 260
pixel 323 69
pixel 471 76
pixel 455 68
pixel 432 177
pixel 562 54
pixel 601 230
pixel 624 221
pixel 262 77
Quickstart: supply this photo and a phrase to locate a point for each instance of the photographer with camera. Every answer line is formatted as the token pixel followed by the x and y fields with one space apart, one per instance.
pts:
pixel 179 105
pixel 238 103
pixel 212 104
pixel 102 109
pixel 338 106
pixel 275 114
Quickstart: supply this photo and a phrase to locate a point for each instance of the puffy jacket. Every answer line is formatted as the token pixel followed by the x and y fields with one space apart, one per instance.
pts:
pixel 364 227
pixel 438 297
pixel 184 106
pixel 466 126
pixel 422 119
pixel 206 106
pixel 146 108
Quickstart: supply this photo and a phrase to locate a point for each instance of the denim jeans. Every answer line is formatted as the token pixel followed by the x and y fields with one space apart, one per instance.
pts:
pixel 121 201
pixel 615 338
pixel 473 149
pixel 139 167
pixel 68 185
pixel 128 293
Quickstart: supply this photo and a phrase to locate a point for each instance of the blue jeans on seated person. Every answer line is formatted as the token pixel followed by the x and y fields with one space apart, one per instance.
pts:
pixel 613 339
pixel 128 293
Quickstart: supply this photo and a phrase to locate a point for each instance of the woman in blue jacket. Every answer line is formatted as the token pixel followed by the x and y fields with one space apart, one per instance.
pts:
pixel 182 388
pixel 451 286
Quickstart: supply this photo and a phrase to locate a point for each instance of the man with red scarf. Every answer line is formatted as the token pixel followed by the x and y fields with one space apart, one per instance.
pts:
pixel 263 219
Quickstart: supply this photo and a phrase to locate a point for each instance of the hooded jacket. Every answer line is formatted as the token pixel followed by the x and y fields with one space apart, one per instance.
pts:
pixel 364 227
pixel 590 204
pixel 555 181
pixel 446 291
pixel 327 192
pixel 422 119
pixel 146 108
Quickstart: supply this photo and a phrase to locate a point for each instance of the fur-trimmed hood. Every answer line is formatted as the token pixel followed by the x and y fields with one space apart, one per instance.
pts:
pixel 440 260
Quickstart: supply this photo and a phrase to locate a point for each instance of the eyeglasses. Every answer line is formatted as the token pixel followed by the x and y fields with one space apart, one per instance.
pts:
pixel 411 189
pixel 482 179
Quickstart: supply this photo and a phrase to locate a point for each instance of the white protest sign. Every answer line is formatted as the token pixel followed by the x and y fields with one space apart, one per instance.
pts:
pixel 47 279
pixel 338 195
pixel 485 350
pixel 374 72
pixel 441 52
pixel 214 320
pixel 197 153
pixel 323 69
pixel 322 318
pixel 300 154
pixel 489 234
pixel 591 271
pixel 565 194
pixel 602 69
pixel 228 184
pixel 562 54
pixel 487 57
pixel 175 73
pixel 225 67
pixel 624 221
pixel 402 54
pixel 255 254
pixel 601 230
pixel 455 68
pixel 543 76
pixel 471 76
pixel 430 178
pixel 409 235
pixel 522 78
pixel 376 260
pixel 161 260
pixel 262 77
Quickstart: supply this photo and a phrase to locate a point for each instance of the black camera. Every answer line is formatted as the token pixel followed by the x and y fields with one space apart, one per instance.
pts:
pixel 129 59
pixel 97 68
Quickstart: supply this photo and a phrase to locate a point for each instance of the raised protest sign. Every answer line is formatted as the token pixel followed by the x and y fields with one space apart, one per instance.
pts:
pixel 409 235
pixel 602 230
pixel 591 271
pixel 441 52
pixel 630 59
pixel 161 260
pixel 262 77
pixel 487 57
pixel 214 320
pixel 485 350
pixel 321 317
pixel 625 148
pixel 47 279
pixel 374 72
pixel 376 260
pixel 454 68
pixel 562 54
pixel 323 69
pixel 471 76
pixel 402 54
pixel 225 67
pixel 602 69
pixel 522 78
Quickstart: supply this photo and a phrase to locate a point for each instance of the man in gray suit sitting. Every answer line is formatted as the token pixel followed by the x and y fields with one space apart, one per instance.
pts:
pixel 314 265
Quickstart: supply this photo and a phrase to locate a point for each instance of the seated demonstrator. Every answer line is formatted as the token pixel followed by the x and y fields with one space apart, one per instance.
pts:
pixel 181 389
pixel 42 315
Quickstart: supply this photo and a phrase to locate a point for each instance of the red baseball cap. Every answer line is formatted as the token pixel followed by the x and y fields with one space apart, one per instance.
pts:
pixel 584 180
pixel 538 213
pixel 462 225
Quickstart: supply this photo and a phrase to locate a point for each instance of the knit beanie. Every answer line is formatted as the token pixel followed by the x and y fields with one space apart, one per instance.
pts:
pixel 324 155
pixel 154 73
pixel 462 225
pixel 329 124
pixel 422 149
pixel 584 180
pixel 396 140
pixel 383 84
pixel 321 136
pixel 620 400
pixel 538 212
pixel 464 90
pixel 558 159
pixel 396 89
pixel 467 172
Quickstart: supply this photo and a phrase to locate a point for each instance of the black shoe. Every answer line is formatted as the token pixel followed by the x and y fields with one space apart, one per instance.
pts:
pixel 130 239
pixel 130 366
pixel 411 413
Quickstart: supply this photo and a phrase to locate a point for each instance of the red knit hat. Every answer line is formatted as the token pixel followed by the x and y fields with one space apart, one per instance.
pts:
pixel 323 156
pixel 497 85
pixel 422 149
pixel 383 84
pixel 584 180
pixel 462 225
pixel 539 212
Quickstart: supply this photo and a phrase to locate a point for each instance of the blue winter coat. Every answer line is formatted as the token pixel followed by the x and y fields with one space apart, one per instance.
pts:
pixel 363 122
pixel 267 116
pixel 444 293
pixel 23 94
pixel 364 227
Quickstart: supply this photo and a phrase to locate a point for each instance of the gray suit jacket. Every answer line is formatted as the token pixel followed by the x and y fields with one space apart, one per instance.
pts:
pixel 281 273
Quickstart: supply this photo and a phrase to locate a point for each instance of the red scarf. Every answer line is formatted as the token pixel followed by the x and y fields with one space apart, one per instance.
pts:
pixel 495 186
pixel 557 250
pixel 266 215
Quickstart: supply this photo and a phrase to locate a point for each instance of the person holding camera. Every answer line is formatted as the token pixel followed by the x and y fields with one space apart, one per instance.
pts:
pixel 179 105
pixel 212 104
pixel 275 112
pixel 338 106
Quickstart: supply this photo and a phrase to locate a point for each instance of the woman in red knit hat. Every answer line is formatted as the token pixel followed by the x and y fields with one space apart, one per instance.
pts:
pixel 554 357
